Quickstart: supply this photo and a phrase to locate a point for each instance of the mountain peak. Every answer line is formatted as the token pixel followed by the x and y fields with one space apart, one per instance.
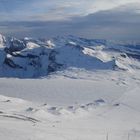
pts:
pixel 30 57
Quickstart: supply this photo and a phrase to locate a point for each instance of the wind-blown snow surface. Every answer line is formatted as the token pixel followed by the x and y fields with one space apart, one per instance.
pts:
pixel 93 95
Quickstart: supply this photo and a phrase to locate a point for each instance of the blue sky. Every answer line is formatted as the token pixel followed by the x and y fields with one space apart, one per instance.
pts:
pixel 109 19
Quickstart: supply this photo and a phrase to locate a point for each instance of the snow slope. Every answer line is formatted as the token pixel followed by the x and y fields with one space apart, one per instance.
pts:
pixel 69 88
pixel 94 120
pixel 98 104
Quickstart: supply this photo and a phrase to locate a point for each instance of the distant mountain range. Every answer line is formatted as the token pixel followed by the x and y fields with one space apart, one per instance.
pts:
pixel 31 58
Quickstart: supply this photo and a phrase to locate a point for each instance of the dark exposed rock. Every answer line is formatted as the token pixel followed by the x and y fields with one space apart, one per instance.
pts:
pixel 11 64
pixel 53 66
pixel 52 55
pixel 32 56
pixel 16 45
pixel 123 55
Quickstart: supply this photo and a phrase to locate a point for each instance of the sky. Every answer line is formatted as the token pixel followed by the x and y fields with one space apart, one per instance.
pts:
pixel 104 19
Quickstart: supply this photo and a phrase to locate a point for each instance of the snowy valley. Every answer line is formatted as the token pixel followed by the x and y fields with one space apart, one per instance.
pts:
pixel 69 88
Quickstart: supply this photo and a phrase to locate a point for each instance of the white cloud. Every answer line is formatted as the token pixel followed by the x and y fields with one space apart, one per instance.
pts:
pixel 78 7
pixel 57 9
pixel 110 19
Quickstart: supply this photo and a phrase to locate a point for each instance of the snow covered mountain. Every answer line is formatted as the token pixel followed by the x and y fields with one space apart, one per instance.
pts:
pixel 89 89
pixel 32 58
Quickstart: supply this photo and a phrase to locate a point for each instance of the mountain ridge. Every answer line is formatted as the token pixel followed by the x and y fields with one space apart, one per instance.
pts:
pixel 30 58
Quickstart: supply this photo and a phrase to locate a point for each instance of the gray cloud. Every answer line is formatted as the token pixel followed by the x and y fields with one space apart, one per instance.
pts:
pixel 48 10
pixel 118 23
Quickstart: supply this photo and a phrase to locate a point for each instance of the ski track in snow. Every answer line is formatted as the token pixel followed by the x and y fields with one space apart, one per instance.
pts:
pixel 50 113
pixel 87 89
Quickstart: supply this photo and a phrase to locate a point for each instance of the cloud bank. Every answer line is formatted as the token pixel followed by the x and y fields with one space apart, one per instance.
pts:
pixel 107 19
